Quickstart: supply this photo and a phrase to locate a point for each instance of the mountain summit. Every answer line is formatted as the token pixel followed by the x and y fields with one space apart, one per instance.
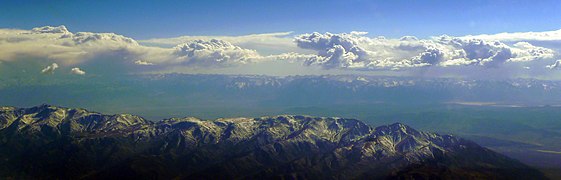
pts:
pixel 62 143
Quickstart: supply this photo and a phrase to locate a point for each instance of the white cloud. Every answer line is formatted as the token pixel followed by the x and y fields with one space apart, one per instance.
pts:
pixel 50 69
pixel 60 45
pixel 528 52
pixel 67 48
pixel 213 52
pixel 50 29
pixel 145 63
pixel 555 65
pixel 77 71
pixel 335 50
pixel 268 43
pixel 519 36
pixel 290 57
pixel 265 38
pixel 356 51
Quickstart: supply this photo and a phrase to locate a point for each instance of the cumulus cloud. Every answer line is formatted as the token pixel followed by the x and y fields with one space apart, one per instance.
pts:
pixel 77 71
pixel 60 45
pixel 50 69
pixel 50 29
pixel 527 52
pixel 356 51
pixel 66 48
pixel 213 52
pixel 335 50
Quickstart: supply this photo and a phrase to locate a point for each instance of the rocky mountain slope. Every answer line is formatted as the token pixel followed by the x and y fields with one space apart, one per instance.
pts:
pixel 49 142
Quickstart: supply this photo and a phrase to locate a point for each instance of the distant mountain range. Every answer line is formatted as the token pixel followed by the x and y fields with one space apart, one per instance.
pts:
pixel 366 89
pixel 219 92
pixel 49 142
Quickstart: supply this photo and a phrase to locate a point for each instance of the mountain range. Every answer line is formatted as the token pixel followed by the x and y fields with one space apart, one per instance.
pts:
pixel 50 142
pixel 171 94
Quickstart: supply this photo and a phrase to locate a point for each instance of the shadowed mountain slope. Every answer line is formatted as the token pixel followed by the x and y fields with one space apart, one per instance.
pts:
pixel 54 142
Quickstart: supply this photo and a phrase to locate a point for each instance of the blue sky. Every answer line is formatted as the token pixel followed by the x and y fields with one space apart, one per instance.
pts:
pixel 152 19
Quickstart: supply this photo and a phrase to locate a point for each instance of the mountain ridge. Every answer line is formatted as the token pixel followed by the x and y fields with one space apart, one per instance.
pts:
pixel 95 145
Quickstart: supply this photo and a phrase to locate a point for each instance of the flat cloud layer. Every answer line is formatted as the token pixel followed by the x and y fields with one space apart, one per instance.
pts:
pixel 341 51
pixel 265 39
pixel 520 36
pixel 268 43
